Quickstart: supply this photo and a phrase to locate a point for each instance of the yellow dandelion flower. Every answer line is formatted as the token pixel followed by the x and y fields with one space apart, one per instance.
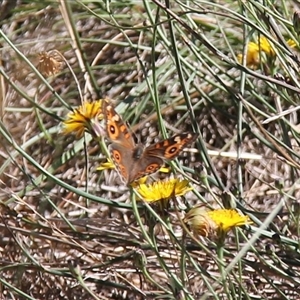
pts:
pixel 265 46
pixel 138 182
pixel 252 57
pixel 164 170
pixel 50 63
pixel 85 118
pixel 254 50
pixel 226 219
pixel 163 190
pixel 106 165
pixel 215 222
pixel 143 180
pixel 291 43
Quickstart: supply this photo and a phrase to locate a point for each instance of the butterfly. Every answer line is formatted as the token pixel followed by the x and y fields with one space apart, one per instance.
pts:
pixel 132 160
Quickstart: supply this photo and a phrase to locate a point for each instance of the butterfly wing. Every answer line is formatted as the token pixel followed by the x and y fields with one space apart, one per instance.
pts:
pixel 133 164
pixel 151 159
pixel 116 129
pixel 145 165
pixel 170 148
pixel 122 159
pixel 123 144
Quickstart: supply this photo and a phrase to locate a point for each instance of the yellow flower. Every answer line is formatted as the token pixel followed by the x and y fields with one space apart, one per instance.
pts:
pixel 138 182
pixel 226 219
pixel 85 118
pixel 215 222
pixel 106 165
pixel 265 46
pixel 291 43
pixel 252 58
pixel 165 170
pixel 143 179
pixel 163 190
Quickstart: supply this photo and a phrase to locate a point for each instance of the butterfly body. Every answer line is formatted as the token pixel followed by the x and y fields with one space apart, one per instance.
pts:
pixel 132 160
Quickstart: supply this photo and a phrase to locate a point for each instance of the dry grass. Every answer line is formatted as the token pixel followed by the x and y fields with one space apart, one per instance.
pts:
pixel 70 232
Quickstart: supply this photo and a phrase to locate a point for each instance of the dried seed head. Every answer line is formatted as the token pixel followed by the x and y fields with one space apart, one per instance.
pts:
pixel 50 63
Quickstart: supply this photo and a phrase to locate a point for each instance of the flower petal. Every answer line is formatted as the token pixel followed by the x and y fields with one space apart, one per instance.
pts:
pixel 85 118
pixel 163 190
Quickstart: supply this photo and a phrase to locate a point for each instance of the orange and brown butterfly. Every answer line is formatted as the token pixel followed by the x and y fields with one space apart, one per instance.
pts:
pixel 132 160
